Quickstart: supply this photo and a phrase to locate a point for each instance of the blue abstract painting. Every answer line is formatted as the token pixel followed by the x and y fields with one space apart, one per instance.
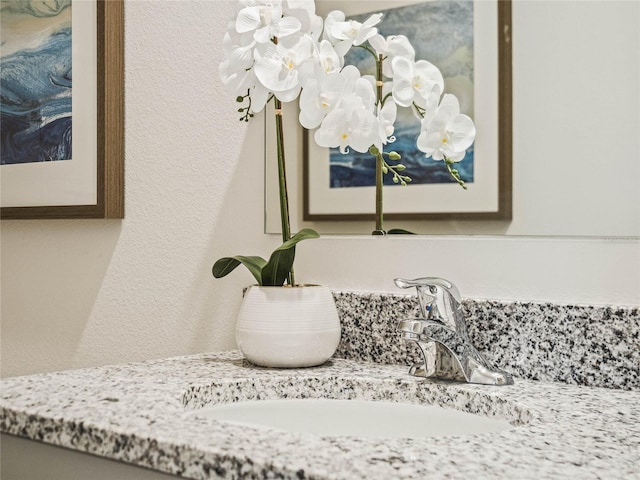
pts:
pixel 441 32
pixel 35 81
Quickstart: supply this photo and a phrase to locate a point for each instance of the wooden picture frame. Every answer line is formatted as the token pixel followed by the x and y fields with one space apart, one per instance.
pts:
pixel 110 127
pixel 502 124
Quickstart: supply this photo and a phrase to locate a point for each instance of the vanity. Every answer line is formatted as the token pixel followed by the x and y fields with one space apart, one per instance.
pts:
pixel 151 414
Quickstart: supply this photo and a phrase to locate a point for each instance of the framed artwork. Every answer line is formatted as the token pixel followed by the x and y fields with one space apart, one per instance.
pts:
pixel 470 42
pixel 62 134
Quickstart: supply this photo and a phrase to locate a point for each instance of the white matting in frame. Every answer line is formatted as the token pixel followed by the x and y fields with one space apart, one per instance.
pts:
pixel 66 182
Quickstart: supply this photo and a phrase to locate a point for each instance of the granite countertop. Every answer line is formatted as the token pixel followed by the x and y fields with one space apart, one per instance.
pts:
pixel 143 414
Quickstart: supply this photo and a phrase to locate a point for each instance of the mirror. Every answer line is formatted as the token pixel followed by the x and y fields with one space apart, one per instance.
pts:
pixel 576 148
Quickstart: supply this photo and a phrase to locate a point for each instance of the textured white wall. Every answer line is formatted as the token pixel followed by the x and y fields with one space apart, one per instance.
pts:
pixel 90 292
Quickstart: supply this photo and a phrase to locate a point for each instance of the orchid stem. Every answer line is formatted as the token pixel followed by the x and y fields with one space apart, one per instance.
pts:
pixel 379 159
pixel 379 213
pixel 282 182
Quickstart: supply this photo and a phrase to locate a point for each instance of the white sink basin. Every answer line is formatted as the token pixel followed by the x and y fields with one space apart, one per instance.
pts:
pixel 359 418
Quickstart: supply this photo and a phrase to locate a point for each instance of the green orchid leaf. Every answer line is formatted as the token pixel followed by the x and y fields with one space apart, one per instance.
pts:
pixel 271 273
pixel 280 263
pixel 226 265
pixel 304 234
pixel 399 231
pixel 277 269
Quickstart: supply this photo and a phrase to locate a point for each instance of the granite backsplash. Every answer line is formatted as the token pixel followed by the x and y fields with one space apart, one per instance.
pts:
pixel 596 346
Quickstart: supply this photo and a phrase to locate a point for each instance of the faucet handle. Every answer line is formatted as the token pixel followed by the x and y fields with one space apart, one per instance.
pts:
pixel 430 282
pixel 438 298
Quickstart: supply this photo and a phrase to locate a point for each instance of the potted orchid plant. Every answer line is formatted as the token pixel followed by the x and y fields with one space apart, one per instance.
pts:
pixel 280 51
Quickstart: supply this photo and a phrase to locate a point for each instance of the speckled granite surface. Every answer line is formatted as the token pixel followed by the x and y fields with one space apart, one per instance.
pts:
pixel 581 345
pixel 146 414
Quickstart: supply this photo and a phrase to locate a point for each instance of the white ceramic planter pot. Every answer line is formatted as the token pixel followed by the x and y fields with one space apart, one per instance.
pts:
pixel 288 327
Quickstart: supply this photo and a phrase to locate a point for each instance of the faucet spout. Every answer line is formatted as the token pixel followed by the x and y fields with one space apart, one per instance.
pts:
pixel 443 328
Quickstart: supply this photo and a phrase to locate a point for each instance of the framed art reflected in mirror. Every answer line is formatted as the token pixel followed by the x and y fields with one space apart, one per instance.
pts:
pixel 63 140
pixel 470 42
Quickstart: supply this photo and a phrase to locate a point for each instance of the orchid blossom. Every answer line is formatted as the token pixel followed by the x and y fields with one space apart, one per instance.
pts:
pixel 328 60
pixel 448 133
pixel 352 123
pixel 285 67
pixel 238 49
pixel 264 18
pixel 305 11
pixel 386 119
pixel 349 125
pixel 319 97
pixel 344 34
pixel 391 47
pixel 414 82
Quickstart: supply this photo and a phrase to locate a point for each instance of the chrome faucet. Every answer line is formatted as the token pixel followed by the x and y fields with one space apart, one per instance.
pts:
pixel 443 325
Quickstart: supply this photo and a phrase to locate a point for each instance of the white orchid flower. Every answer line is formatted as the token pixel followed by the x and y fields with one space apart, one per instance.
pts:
pixel 415 82
pixel 357 32
pixel 430 108
pixel 391 47
pixel 353 123
pixel 348 127
pixel 284 67
pixel 264 18
pixel 333 18
pixel 448 133
pixel 386 119
pixel 236 72
pixel 328 58
pixel 343 34
pixel 305 12
pixel 321 96
pixel 238 51
pixel 364 89
pixel 318 98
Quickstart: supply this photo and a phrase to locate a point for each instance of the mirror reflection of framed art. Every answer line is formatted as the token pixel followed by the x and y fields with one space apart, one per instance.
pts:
pixel 470 42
